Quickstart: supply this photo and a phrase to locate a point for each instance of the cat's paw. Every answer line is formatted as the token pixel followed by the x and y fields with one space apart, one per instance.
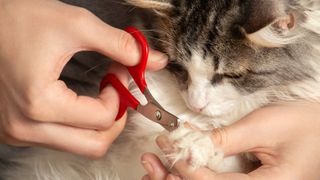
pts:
pixel 194 146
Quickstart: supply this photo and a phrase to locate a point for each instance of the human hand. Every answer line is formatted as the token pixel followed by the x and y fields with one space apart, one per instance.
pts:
pixel 283 137
pixel 37 39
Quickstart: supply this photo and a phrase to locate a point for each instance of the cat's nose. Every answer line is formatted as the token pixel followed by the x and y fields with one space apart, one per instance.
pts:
pixel 197 101
pixel 198 109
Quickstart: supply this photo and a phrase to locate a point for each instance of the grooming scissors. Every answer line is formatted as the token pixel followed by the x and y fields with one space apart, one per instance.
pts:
pixel 152 110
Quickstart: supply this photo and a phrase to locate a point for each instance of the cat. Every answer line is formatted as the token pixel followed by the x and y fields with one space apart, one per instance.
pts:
pixel 227 58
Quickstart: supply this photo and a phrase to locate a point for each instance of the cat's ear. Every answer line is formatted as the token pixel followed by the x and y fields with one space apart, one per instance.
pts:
pixel 158 5
pixel 268 24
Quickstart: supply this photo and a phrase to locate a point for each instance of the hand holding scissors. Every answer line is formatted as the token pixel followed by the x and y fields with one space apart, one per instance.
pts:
pixel 152 110
pixel 36 107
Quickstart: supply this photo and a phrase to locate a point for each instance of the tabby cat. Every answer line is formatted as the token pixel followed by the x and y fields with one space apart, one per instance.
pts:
pixel 227 58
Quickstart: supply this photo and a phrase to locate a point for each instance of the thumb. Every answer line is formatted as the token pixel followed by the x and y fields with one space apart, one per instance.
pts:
pixel 251 133
pixel 155 169
pixel 117 44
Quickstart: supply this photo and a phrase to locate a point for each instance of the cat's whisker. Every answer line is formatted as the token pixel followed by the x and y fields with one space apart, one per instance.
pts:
pixel 166 43
pixel 119 2
pixel 157 39
pixel 95 67
pixel 152 30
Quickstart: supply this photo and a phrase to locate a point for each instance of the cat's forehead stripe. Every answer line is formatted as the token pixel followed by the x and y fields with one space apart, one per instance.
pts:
pixel 216 63
pixel 198 67
pixel 198 21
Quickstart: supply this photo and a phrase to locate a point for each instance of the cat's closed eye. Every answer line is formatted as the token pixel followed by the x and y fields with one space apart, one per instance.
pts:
pixel 218 78
pixel 233 75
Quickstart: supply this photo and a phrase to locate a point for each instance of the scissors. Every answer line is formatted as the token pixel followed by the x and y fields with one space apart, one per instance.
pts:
pixel 152 110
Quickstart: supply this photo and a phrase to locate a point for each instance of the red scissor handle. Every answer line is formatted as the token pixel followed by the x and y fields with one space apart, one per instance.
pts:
pixel 126 98
pixel 137 72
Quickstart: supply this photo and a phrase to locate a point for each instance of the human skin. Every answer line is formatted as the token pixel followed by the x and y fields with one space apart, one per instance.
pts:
pixel 284 137
pixel 37 39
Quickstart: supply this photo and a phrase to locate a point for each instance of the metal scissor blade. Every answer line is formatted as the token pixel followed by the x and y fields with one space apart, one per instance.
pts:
pixel 151 99
pixel 157 114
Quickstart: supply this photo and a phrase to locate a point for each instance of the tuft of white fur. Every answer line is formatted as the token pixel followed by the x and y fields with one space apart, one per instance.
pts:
pixel 312 23
pixel 269 37
pixel 189 143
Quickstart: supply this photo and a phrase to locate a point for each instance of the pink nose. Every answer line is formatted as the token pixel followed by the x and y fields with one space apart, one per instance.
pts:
pixel 196 99
pixel 198 108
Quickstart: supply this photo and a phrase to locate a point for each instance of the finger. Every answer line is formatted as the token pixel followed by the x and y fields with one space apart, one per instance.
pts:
pixel 187 172
pixel 85 142
pixel 190 126
pixel 152 164
pixel 262 173
pixel 251 132
pixel 59 104
pixel 184 169
pixel 181 166
pixel 5 139
pixel 153 63
pixel 146 177
pixel 173 177
pixel 115 43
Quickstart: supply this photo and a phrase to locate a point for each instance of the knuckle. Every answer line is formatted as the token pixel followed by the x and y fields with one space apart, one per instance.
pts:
pixel 106 121
pixel 32 110
pixel 83 12
pixel 31 107
pixel 126 43
pixel 99 148
pixel 15 130
pixel 219 136
pixel 81 15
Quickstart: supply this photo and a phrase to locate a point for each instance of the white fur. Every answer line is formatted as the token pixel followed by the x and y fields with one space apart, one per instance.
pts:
pixel 312 22
pixel 268 37
pixel 221 101
pixel 195 144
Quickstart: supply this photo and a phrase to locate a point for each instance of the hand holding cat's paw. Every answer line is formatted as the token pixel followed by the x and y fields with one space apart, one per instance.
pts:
pixel 191 145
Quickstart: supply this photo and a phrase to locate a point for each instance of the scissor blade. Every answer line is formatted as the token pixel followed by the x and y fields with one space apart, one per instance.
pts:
pixel 157 114
pixel 151 99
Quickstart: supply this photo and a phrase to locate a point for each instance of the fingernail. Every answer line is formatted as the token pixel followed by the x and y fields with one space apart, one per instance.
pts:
pixel 163 59
pixel 146 177
pixel 171 177
pixel 163 142
pixel 148 167
pixel 158 56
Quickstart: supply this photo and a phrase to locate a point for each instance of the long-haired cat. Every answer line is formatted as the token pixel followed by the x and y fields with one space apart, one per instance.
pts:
pixel 227 58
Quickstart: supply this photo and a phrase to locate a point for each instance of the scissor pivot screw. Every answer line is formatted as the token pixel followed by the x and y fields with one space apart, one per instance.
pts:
pixel 158 115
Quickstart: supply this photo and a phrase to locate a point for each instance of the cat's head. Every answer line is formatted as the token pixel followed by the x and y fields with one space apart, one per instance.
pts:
pixel 224 50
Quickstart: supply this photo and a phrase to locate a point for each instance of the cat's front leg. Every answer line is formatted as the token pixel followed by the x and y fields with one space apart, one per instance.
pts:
pixel 194 146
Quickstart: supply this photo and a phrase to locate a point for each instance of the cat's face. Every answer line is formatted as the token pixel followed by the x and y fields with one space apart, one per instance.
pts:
pixel 219 51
